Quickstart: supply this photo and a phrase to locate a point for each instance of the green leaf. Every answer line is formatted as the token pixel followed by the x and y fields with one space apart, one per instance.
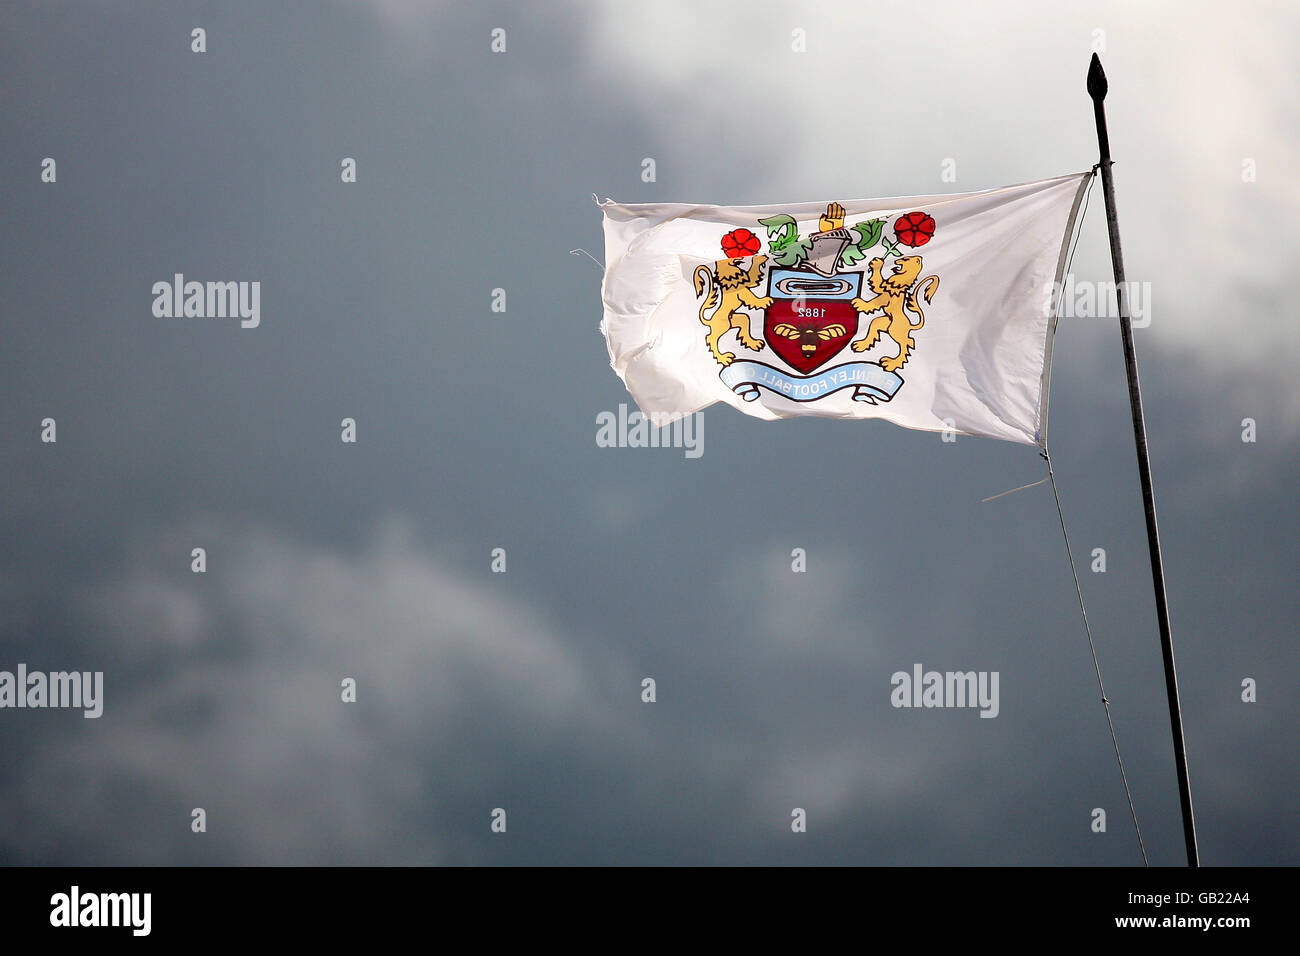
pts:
pixel 850 257
pixel 870 232
pixel 781 231
pixel 793 253
pixel 868 235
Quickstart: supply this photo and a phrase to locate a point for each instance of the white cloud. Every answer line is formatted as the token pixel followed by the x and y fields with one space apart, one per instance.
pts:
pixel 886 91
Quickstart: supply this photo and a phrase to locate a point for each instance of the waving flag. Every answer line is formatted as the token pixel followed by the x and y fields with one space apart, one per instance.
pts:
pixel 933 312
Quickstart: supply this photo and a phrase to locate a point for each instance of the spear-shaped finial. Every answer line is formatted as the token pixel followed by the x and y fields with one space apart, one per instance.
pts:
pixel 1096 79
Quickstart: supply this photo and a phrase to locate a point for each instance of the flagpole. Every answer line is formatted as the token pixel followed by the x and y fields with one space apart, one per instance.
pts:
pixel 1097 90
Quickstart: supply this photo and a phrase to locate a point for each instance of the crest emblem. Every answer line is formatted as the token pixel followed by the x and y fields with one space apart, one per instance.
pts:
pixel 811 318
pixel 815 303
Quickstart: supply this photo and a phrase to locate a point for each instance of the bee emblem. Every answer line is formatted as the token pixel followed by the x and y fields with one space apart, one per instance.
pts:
pixel 809 337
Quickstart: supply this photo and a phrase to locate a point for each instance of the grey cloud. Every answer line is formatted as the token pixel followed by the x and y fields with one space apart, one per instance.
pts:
pixel 476 430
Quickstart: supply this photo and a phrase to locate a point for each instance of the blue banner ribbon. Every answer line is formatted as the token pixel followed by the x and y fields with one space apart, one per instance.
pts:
pixel 868 380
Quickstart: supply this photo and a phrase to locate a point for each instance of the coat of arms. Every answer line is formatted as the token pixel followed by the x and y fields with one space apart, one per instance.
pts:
pixel 815 304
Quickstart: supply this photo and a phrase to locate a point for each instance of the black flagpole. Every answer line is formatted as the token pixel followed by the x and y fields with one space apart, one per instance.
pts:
pixel 1097 90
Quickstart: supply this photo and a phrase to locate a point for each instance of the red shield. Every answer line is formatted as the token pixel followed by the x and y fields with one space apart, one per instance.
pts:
pixel 811 316
pixel 807 333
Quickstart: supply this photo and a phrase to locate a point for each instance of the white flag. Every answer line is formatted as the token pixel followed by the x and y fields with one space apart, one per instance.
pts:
pixel 933 312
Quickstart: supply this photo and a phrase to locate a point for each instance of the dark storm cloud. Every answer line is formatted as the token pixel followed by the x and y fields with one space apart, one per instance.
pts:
pixel 476 431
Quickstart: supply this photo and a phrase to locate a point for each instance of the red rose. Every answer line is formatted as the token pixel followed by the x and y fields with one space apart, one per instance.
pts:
pixel 740 243
pixel 914 229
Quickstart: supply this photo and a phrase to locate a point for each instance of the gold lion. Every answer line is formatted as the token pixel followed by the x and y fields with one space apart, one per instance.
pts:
pixel 895 297
pixel 737 285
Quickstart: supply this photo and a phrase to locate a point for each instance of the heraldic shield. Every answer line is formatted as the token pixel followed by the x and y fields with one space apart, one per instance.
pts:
pixel 811 317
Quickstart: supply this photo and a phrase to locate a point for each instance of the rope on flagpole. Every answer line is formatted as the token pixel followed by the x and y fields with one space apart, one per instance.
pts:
pixel 1079 231
pixel 1051 476
pixel 1002 494
pixel 1078 590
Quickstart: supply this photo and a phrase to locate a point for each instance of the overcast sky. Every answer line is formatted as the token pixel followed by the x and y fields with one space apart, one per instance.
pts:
pixel 476 430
